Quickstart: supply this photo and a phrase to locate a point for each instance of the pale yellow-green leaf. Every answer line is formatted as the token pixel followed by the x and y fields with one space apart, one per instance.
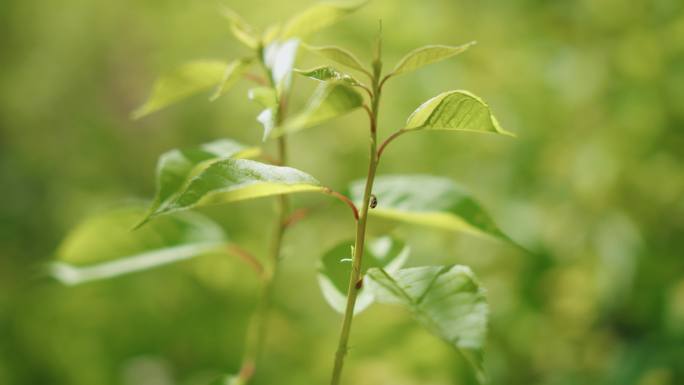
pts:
pixel 242 31
pixel 318 16
pixel 185 81
pixel 339 55
pixel 233 72
pixel 427 55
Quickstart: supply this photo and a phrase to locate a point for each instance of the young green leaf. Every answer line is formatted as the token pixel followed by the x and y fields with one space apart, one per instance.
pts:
pixel 446 300
pixel 227 180
pixel 339 55
pixel 267 118
pixel 428 200
pixel 233 72
pixel 330 100
pixel 177 166
pixel 265 96
pixel 427 55
pixel 328 74
pixel 189 79
pixel 242 31
pixel 333 274
pixel 318 17
pixel 104 246
pixel 455 110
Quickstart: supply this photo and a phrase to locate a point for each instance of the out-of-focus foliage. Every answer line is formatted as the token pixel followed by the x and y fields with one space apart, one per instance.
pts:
pixel 593 186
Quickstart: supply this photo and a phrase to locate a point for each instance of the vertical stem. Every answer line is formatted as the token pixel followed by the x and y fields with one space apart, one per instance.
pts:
pixel 355 278
pixel 259 324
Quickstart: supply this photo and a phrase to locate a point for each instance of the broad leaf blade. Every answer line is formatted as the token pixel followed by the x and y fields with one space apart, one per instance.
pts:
pixel 233 72
pixel 455 110
pixel 333 274
pixel 242 31
pixel 427 55
pixel 447 300
pixel 189 79
pixel 330 100
pixel 318 17
pixel 328 74
pixel 228 180
pixel 175 167
pixel 339 55
pixel 104 246
pixel 428 200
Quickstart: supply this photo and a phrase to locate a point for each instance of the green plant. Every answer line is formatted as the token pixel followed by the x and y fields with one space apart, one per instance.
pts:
pixel 448 300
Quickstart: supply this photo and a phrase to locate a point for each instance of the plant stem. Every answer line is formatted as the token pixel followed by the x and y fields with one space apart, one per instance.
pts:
pixel 355 278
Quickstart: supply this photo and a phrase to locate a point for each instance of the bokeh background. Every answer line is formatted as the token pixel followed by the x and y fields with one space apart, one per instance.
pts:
pixel 594 186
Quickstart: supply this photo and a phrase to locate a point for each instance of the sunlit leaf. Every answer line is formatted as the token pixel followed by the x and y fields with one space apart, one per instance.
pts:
pixel 176 167
pixel 233 72
pixel 228 180
pixel 267 118
pixel 387 253
pixel 318 17
pixel 427 55
pixel 446 300
pixel 189 79
pixel 327 74
pixel 428 200
pixel 455 110
pixel 339 55
pixel 279 57
pixel 242 31
pixel 330 100
pixel 265 96
pixel 104 246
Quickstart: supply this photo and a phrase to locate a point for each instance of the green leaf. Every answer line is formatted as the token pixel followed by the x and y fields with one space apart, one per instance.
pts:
pixel 333 274
pixel 265 96
pixel 233 72
pixel 428 200
pixel 242 31
pixel 446 300
pixel 227 180
pixel 177 166
pixel 189 79
pixel 318 17
pixel 427 55
pixel 339 55
pixel 328 74
pixel 104 246
pixel 279 57
pixel 455 110
pixel 330 100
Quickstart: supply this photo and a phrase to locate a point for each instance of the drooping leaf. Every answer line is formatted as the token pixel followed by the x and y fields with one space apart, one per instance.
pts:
pixel 428 200
pixel 330 100
pixel 333 274
pixel 455 110
pixel 427 55
pixel 446 300
pixel 233 72
pixel 318 17
pixel 189 79
pixel 242 31
pixel 104 246
pixel 279 57
pixel 177 166
pixel 328 74
pixel 339 55
pixel 228 180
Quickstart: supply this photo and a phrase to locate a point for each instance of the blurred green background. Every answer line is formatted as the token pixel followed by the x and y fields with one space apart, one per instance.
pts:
pixel 594 185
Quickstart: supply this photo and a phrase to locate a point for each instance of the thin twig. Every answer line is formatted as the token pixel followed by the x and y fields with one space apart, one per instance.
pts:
pixel 246 256
pixel 344 199
pixel 389 140
pixel 256 79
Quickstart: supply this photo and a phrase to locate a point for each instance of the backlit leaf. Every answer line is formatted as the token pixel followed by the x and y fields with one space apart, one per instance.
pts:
pixel 233 72
pixel 279 57
pixel 333 274
pixel 227 180
pixel 330 100
pixel 242 31
pixel 339 55
pixel 104 246
pixel 428 200
pixel 318 17
pixel 427 55
pixel 189 79
pixel 446 300
pixel 177 166
pixel 455 110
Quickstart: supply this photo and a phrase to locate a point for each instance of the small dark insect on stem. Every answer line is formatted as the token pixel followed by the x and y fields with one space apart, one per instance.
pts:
pixel 373 201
